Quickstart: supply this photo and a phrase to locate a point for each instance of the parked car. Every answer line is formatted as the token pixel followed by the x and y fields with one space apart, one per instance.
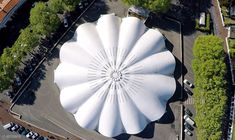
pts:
pixel 65 22
pixel 186 131
pixel 30 134
pixel 188 83
pixel 189 92
pixel 189 120
pixel 21 129
pixel 188 112
pixel 8 125
pixel 35 135
pixel 25 132
pixel 188 126
pixel 15 127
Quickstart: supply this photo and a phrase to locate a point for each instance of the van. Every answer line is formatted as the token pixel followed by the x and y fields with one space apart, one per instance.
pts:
pixel 189 120
pixel 9 125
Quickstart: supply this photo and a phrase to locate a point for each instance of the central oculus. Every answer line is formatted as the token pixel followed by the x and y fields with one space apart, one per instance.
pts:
pixel 116 75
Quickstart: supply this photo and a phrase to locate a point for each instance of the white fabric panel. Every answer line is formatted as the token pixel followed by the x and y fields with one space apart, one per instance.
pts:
pixel 70 52
pixel 132 120
pixel 162 86
pixel 88 39
pixel 68 75
pixel 161 63
pixel 88 114
pixel 110 123
pixel 108 30
pixel 116 76
pixel 155 90
pixel 72 97
pixel 131 29
pixel 149 43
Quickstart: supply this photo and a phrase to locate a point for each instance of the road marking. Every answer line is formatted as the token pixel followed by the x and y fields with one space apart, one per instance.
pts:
pixel 57 123
pixel 189 101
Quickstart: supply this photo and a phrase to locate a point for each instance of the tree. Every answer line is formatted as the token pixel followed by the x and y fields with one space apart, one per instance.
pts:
pixel 26 41
pixel 43 20
pixel 70 5
pixel 152 5
pixel 57 6
pixel 210 86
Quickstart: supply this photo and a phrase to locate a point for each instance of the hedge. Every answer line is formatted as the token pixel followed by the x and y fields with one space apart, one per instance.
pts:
pixel 204 28
pixel 210 86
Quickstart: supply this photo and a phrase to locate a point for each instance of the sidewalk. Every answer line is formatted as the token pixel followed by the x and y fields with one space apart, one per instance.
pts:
pixel 220 30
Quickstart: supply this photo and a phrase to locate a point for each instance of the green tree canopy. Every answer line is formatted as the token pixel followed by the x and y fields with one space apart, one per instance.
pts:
pixel 210 86
pixel 70 5
pixel 43 20
pixel 152 5
pixel 57 6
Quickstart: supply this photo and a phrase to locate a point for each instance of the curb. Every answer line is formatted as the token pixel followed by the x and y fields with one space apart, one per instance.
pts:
pixel 220 13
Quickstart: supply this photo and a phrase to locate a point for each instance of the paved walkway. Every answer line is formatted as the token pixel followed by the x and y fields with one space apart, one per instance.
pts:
pixel 219 29
pixel 5 117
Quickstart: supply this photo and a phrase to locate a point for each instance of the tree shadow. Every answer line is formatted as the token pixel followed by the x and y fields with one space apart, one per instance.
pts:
pixel 53 55
pixel 28 97
pixel 162 22
pixel 94 12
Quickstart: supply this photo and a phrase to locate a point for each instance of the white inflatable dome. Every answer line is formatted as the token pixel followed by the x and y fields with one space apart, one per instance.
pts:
pixel 115 76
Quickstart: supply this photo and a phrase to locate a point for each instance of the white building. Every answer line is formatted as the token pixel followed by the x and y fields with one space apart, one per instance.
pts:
pixel 115 76
pixel 7 9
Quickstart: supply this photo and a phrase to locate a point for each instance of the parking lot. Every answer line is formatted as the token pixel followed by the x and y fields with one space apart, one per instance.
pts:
pixel 40 104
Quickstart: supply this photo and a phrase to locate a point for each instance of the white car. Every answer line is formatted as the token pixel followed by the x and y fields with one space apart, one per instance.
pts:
pixel 30 134
pixel 188 132
pixel 15 127
pixel 35 135
pixel 188 83
pixel 189 120
pixel 8 126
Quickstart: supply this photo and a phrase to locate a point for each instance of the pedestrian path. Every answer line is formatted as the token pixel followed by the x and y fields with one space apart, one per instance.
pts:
pixel 189 101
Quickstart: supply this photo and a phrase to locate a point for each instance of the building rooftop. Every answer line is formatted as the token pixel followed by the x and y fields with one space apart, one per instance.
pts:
pixel 115 76
pixel 6 6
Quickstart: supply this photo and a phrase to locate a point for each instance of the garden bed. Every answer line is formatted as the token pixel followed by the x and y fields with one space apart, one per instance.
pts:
pixel 227 20
pixel 204 28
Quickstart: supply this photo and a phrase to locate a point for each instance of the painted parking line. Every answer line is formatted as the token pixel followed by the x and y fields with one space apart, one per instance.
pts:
pixel 189 101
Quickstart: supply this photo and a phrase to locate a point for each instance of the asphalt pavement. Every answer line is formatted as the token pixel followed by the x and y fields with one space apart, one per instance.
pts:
pixel 40 103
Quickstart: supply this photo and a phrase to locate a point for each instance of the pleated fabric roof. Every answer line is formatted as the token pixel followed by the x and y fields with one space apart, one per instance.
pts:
pixel 115 75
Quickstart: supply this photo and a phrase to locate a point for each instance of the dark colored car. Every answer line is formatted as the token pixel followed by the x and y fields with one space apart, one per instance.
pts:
pixel 188 91
pixel 188 126
pixel 25 132
pixel 187 111
pixel 20 130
